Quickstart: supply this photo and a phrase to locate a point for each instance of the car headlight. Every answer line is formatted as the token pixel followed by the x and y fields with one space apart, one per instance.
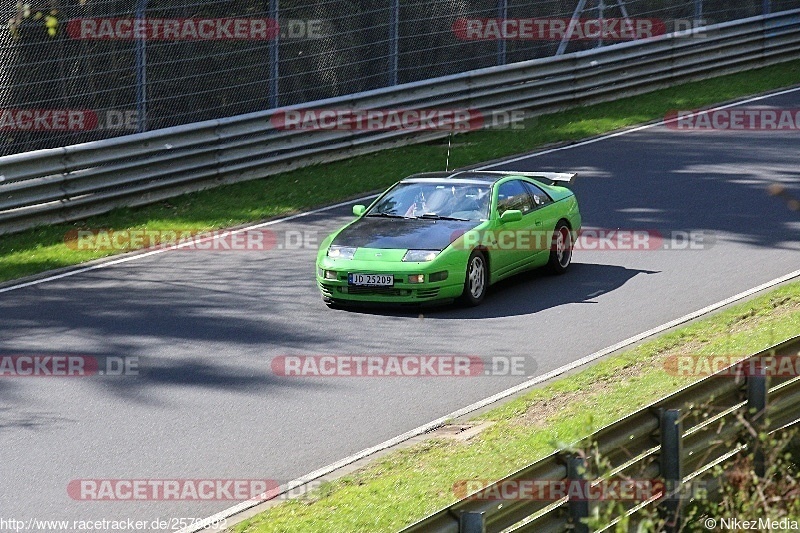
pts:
pixel 341 252
pixel 420 256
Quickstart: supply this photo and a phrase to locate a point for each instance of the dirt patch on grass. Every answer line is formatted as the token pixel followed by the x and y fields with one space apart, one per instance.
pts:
pixel 780 308
pixel 540 411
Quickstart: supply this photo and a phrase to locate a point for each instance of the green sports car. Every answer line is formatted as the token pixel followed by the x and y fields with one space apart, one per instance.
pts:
pixel 444 236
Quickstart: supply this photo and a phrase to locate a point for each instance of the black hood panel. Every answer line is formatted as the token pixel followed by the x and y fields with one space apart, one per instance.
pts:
pixel 401 233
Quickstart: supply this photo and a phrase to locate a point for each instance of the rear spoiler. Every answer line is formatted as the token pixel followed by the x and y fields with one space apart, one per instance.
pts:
pixel 550 178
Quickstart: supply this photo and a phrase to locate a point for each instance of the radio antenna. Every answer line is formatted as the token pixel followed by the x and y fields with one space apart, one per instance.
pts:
pixel 449 141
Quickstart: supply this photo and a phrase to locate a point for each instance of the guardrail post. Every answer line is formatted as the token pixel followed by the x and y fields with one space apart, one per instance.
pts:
pixel 472 522
pixel 756 411
pixel 578 509
pixel 671 429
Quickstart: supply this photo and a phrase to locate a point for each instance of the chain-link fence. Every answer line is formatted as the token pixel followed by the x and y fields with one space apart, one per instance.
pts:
pixel 79 70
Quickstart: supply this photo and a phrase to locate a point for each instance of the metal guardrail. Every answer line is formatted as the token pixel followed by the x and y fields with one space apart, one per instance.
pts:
pixel 73 182
pixel 671 440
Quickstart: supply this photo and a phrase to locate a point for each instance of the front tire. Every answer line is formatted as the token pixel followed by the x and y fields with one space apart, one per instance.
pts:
pixel 332 304
pixel 560 249
pixel 477 279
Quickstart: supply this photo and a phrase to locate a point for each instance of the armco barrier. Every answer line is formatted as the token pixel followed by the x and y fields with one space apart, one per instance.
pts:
pixel 671 440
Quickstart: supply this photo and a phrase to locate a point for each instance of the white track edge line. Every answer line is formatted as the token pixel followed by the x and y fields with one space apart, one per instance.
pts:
pixel 227 513
pixel 641 128
pixel 197 240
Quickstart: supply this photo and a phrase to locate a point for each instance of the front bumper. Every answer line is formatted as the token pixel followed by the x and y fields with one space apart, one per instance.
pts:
pixel 402 292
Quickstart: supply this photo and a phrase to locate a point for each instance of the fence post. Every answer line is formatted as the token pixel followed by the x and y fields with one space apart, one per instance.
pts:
pixel 601 13
pixel 394 42
pixel 756 411
pixel 471 522
pixel 502 14
pixel 141 70
pixel 274 56
pixel 578 509
pixel 576 15
pixel 671 429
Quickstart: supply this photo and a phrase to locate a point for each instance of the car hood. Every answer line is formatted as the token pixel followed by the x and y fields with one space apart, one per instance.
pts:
pixel 401 233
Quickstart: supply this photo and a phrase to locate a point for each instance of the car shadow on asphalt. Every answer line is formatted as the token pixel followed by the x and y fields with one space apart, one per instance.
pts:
pixel 526 293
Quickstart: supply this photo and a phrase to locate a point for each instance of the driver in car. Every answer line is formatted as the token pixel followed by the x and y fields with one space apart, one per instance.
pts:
pixel 462 199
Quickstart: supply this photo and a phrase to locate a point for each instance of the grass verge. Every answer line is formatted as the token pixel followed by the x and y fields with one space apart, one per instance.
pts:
pixel 42 249
pixel 408 484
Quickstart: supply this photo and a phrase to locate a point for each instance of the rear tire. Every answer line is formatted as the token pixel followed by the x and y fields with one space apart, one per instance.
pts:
pixel 560 249
pixel 477 280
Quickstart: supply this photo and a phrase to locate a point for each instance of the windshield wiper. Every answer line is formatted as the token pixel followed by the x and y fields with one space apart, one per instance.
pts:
pixel 387 215
pixel 434 216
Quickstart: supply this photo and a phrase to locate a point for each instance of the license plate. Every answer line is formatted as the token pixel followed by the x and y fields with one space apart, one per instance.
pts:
pixel 374 280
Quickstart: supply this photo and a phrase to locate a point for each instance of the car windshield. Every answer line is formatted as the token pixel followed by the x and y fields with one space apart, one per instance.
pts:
pixel 465 201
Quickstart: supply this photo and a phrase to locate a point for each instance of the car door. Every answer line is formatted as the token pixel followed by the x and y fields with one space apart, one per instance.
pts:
pixel 512 238
pixel 543 218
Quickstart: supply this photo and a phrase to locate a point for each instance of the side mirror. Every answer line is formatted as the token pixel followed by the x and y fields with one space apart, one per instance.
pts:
pixel 359 210
pixel 512 215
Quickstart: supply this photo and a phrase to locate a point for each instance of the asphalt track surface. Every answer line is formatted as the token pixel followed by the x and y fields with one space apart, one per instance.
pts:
pixel 206 325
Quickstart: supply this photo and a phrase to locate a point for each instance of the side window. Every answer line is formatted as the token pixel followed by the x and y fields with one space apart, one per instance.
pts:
pixel 512 195
pixel 539 197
